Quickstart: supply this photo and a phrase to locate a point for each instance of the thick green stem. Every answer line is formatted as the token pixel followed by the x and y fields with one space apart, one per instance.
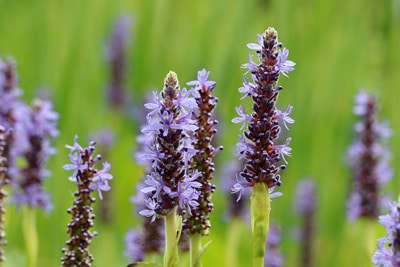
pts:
pixel 30 234
pixel 195 250
pixel 260 208
pixel 172 234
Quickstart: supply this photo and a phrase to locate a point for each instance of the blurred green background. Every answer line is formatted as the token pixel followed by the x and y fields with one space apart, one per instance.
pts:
pixel 339 46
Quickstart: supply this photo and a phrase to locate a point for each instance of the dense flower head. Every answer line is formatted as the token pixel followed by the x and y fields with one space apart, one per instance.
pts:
pixel 40 125
pixel 201 154
pixel 165 138
pixel 388 253
pixel 368 157
pixel 257 144
pixel 88 179
pixel 116 57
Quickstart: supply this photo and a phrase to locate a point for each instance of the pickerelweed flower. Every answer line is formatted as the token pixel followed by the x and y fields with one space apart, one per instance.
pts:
pixel 168 131
pixel 28 189
pixel 258 145
pixel 368 158
pixel 87 179
pixel 171 187
pixel 388 253
pixel 13 116
pixel 116 57
pixel 202 164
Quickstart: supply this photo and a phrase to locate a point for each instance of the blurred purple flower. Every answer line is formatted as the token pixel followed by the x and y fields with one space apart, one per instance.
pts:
pixel 368 158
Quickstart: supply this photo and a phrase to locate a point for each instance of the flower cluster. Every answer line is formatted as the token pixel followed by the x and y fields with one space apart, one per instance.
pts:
pixel 41 127
pixel 87 179
pixel 388 253
pixel 368 158
pixel 168 139
pixel 116 57
pixel 202 162
pixel 257 144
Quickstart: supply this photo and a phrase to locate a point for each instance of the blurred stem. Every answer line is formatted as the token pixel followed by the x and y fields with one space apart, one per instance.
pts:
pixel 195 250
pixel 30 234
pixel 232 243
pixel 259 208
pixel 370 237
pixel 172 234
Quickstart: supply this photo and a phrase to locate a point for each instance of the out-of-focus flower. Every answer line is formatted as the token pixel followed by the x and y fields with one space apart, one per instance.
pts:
pixel 368 157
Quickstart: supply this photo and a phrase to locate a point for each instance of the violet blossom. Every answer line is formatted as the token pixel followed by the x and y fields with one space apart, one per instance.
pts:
pixel 88 179
pixel 368 157
pixel 257 144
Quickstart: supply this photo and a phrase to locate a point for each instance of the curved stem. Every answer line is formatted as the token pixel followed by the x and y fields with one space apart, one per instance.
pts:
pixel 260 209
pixel 30 234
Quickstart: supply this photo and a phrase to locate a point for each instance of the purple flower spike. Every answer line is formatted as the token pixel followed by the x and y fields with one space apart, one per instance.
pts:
pixel 167 134
pixel 258 145
pixel 87 179
pixel 197 188
pixel 368 157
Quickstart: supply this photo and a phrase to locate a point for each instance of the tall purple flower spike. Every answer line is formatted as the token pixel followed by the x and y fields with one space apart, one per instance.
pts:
pixel 368 157
pixel 257 145
pixel 169 130
pixel 87 179
pixel 202 163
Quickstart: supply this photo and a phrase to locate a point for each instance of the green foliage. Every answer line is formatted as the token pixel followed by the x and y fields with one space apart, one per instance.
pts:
pixel 338 45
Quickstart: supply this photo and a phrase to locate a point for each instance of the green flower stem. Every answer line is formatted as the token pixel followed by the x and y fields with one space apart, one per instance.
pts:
pixel 30 234
pixel 260 209
pixel 195 250
pixel 172 234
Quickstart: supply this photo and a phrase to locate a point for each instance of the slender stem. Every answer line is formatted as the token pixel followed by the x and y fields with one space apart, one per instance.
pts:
pixel 260 209
pixel 171 240
pixel 31 239
pixel 195 250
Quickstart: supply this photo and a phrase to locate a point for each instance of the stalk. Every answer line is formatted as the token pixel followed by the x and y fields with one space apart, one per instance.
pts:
pixel 260 209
